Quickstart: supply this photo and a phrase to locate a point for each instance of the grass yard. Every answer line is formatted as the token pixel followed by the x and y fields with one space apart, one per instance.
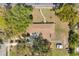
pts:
pixel 49 14
pixel 13 51
pixel 21 51
pixel 37 17
pixel 58 52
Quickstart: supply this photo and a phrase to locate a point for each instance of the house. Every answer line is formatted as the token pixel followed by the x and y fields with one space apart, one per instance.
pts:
pixel 47 30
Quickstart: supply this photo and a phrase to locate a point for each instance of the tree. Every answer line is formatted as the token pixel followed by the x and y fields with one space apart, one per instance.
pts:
pixel 68 13
pixel 18 19
pixel 2 19
pixel 2 23
pixel 41 46
pixel 73 42
pixel 73 39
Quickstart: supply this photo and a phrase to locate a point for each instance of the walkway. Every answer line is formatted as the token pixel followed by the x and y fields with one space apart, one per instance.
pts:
pixel 43 16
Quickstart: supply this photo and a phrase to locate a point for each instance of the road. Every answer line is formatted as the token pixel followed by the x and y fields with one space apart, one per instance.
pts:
pixel 3 50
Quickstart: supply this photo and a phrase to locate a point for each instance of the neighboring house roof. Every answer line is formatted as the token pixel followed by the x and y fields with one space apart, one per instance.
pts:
pixel 47 30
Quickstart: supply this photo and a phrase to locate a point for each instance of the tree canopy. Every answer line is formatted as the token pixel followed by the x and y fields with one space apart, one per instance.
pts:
pixel 18 18
pixel 2 20
pixel 41 46
pixel 73 39
pixel 67 13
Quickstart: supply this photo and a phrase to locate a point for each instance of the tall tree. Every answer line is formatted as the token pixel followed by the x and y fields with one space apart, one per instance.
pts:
pixel 2 23
pixel 18 19
pixel 68 13
pixel 41 46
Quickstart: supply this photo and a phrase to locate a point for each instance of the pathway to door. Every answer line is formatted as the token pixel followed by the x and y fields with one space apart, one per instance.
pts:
pixel 43 16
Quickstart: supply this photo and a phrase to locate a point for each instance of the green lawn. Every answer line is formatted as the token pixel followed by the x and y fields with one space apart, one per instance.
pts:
pixel 13 53
pixel 58 52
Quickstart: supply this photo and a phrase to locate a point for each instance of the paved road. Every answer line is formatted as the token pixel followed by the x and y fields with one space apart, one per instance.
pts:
pixel 2 50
